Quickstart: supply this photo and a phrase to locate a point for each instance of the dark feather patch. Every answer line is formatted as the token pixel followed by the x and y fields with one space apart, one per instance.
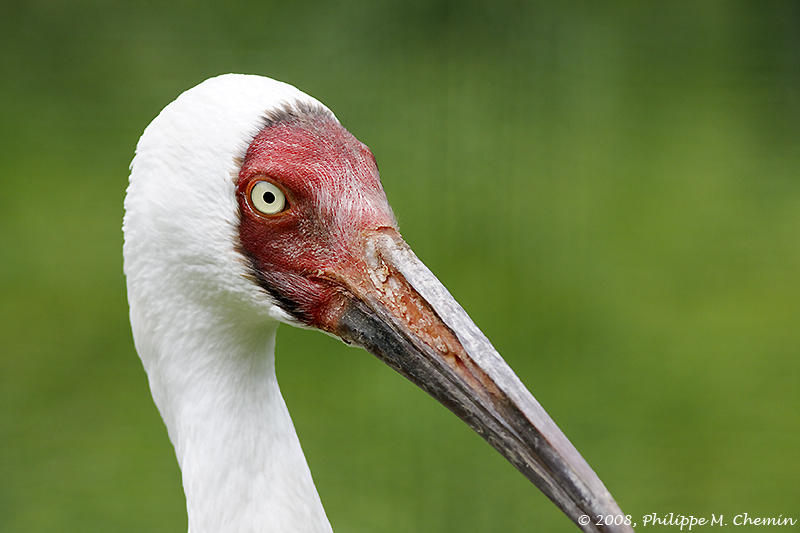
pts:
pixel 297 111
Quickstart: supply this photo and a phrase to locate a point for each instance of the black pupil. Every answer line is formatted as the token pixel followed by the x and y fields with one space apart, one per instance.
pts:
pixel 269 197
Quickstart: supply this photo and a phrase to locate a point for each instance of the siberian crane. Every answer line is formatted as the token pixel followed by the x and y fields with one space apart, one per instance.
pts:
pixel 250 205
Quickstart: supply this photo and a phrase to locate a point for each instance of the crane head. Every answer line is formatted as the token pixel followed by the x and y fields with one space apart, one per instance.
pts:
pixel 290 222
pixel 308 193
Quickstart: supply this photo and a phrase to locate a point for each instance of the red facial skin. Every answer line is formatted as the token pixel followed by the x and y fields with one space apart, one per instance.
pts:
pixel 333 199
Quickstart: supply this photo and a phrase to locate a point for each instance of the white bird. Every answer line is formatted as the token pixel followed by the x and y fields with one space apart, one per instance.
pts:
pixel 250 205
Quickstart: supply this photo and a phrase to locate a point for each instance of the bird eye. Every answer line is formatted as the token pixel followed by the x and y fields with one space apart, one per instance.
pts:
pixel 267 198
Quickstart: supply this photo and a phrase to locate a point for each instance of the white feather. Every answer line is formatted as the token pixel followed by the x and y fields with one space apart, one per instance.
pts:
pixel 203 329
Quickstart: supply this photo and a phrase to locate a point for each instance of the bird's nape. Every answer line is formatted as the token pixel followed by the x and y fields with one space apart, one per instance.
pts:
pixel 293 225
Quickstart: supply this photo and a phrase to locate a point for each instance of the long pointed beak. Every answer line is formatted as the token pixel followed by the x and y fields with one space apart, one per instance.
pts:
pixel 400 312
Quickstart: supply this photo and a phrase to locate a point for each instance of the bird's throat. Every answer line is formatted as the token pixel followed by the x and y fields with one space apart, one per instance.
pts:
pixel 241 462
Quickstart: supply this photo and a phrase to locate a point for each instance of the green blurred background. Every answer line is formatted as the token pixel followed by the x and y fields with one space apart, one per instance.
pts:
pixel 613 193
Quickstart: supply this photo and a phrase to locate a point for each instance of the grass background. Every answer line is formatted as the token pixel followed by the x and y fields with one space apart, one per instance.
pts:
pixel 612 191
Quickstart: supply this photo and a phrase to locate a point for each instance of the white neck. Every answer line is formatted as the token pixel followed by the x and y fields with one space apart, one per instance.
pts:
pixel 242 465
pixel 205 331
